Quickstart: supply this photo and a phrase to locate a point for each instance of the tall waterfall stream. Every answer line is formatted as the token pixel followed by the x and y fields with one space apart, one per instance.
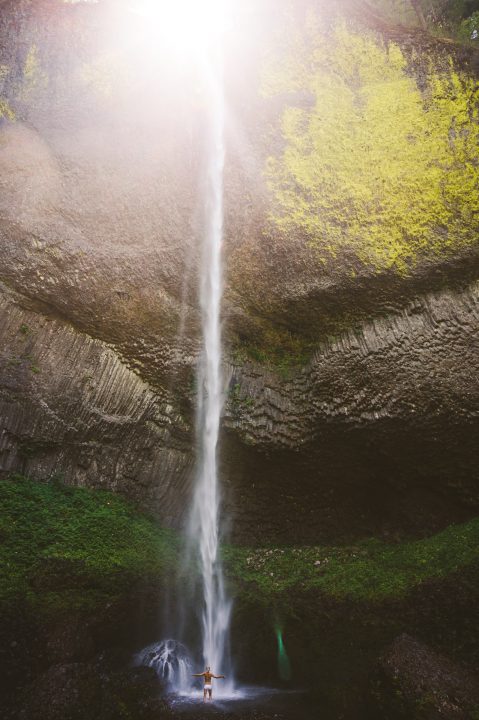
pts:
pixel 170 658
pixel 205 511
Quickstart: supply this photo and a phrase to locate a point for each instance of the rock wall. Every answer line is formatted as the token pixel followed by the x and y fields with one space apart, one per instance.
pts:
pixel 377 433
pixel 414 366
pixel 379 428
pixel 71 408
pixel 351 298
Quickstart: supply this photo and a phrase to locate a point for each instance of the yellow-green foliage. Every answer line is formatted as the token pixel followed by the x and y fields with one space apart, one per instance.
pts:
pixel 34 77
pixel 376 168
pixel 6 111
pixel 32 65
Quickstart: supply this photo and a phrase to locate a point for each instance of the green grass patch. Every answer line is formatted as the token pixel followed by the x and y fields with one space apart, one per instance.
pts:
pixel 65 546
pixel 371 570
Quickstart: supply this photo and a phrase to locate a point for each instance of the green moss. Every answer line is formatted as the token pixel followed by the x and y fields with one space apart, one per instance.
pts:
pixel 35 79
pixel 73 547
pixel 376 172
pixel 370 571
pixel 64 548
pixel 279 350
pixel 6 111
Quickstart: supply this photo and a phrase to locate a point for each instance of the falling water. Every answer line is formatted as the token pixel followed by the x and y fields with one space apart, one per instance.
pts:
pixel 204 527
pixel 170 658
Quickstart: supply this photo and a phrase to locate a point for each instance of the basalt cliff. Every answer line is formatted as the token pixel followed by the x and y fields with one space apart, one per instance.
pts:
pixel 351 288
pixel 351 299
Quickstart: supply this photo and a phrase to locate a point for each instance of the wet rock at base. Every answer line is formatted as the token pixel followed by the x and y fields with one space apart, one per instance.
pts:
pixel 81 691
pixel 414 681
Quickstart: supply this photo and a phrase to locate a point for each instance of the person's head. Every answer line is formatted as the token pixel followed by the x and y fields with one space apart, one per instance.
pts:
pixel 208 668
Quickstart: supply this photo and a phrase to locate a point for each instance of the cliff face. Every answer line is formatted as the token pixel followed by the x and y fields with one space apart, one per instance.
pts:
pixel 351 298
pixel 71 408
pixel 381 420
pixel 376 431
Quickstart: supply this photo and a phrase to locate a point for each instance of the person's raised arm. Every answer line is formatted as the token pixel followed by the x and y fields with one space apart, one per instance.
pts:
pixel 219 677
pixel 198 674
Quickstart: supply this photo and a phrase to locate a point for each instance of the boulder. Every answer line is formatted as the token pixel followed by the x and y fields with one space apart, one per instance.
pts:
pixel 414 681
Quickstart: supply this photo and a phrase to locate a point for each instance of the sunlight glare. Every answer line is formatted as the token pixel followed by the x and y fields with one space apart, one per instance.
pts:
pixel 184 25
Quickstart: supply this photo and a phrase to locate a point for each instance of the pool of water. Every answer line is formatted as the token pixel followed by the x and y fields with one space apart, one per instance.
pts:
pixel 246 702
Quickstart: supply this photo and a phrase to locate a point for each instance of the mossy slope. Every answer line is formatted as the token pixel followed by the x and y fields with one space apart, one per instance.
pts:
pixel 370 571
pixel 64 546
pixel 72 547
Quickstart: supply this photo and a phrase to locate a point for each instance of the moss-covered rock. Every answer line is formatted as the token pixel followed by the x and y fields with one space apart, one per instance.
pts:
pixel 369 571
pixel 413 681
pixel 67 548
pixel 369 175
pixel 380 170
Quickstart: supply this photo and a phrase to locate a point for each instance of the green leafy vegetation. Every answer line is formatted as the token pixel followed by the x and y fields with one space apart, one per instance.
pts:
pixel 469 28
pixel 279 350
pixel 375 171
pixel 64 546
pixel 72 548
pixel 371 570
pixel 442 17
pixel 6 111
pixel 238 400
pixel 35 79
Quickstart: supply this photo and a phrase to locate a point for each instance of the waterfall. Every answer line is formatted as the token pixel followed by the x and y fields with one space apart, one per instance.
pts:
pixel 170 658
pixel 204 525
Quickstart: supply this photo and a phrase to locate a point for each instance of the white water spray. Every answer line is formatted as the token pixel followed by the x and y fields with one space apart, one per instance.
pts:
pixel 170 660
pixel 204 526
pixel 169 657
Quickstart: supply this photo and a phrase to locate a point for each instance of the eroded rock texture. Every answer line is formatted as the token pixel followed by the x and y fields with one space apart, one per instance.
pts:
pixel 380 427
